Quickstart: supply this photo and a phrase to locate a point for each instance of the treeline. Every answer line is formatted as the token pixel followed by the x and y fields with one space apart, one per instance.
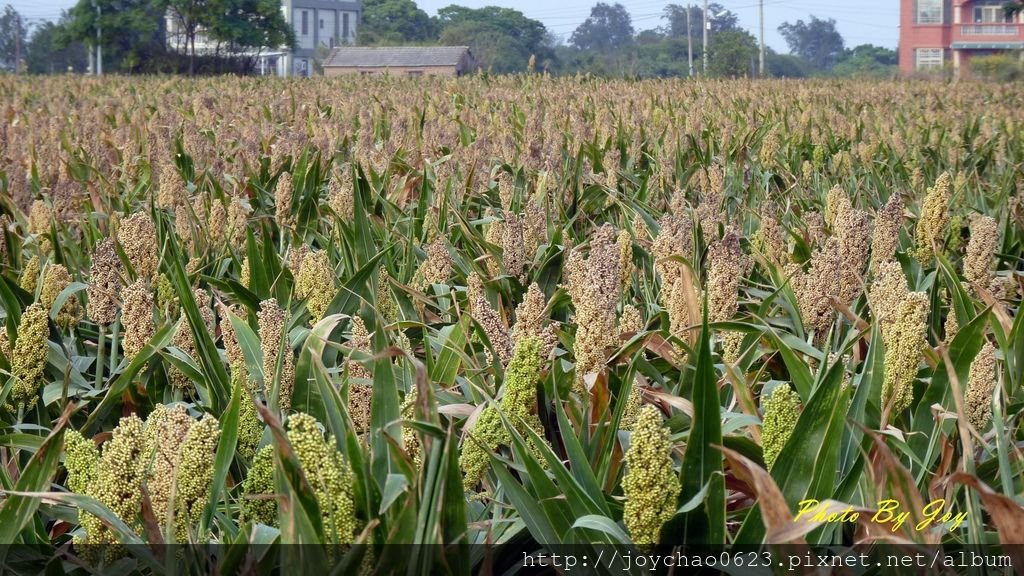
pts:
pixel 607 43
pixel 136 36
pixel 135 39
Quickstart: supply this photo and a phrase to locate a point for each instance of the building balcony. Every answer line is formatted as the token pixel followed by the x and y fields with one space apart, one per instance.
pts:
pixel 1001 30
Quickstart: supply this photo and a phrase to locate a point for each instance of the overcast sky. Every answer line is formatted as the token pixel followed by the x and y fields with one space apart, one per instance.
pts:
pixel 862 22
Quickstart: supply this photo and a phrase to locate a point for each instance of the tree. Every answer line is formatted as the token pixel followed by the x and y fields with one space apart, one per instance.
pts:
pixel 867 60
pixel 609 28
pixel 250 24
pixel 44 53
pixel 785 65
pixel 394 22
pixel 816 41
pixel 189 16
pixel 502 39
pixel 132 31
pixel 732 53
pixel 13 35
pixel 720 20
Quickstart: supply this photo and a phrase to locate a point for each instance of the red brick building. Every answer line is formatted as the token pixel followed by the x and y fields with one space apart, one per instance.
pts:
pixel 938 33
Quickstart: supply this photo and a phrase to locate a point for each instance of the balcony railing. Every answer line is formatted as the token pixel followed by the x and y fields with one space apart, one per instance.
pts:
pixel 989 30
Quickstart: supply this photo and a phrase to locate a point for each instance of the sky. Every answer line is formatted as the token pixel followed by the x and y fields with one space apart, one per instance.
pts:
pixel 862 22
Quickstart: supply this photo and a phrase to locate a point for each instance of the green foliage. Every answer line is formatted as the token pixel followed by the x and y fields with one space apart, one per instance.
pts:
pixel 607 29
pixel 44 53
pixel 732 54
pixel 998 67
pixel 817 41
pixel 390 22
pixel 502 39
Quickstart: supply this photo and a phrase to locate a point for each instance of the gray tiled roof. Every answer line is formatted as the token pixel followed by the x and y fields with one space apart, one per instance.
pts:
pixel 397 56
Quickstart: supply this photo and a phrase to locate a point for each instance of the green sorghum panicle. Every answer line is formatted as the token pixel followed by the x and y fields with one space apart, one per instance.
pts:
pixel 283 193
pixel 55 281
pixel 195 472
pixel 257 506
pixel 781 410
pixel 272 321
pixel 931 226
pixel 315 284
pixel 165 432
pixel 981 385
pixel 29 278
pixel 81 460
pixel 328 475
pixel 903 348
pixel 28 362
pixel 118 483
pixel 651 486
pixel 518 403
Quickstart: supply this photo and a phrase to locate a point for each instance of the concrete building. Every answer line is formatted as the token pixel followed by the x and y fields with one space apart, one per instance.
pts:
pixel 939 33
pixel 317 23
pixel 319 26
pixel 401 60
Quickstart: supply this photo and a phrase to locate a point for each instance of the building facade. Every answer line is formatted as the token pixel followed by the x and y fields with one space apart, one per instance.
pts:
pixel 936 34
pixel 401 60
pixel 319 25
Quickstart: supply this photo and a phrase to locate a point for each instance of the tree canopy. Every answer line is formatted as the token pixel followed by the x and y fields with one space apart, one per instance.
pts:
pixel 394 22
pixel 816 41
pixel 502 39
pixel 607 29
pixel 12 31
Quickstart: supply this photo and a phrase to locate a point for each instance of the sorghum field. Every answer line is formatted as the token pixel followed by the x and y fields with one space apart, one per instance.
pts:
pixel 518 311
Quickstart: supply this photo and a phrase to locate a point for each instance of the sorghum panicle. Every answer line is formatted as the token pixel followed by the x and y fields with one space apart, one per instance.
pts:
pixel 650 485
pixel 104 283
pixel 781 410
pixel 903 348
pixel 981 385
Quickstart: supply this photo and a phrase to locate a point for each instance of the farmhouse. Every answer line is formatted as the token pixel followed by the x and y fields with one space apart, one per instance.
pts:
pixel 400 60
pixel 939 33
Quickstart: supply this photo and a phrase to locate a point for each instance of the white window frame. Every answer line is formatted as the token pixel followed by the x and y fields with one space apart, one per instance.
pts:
pixel 991 14
pixel 929 58
pixel 929 12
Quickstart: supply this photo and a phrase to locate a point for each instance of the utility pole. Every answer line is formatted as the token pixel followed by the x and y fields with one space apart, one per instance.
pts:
pixel 707 26
pixel 689 40
pixel 17 44
pixel 99 40
pixel 760 14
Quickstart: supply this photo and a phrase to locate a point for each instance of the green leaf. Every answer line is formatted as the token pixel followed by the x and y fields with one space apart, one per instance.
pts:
pixel 453 341
pixel 604 525
pixel 702 464
pixel 159 341
pixel 811 463
pixel 17 511
pixel 225 454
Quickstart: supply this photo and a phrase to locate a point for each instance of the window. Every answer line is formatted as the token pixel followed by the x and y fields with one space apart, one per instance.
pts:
pixel 929 11
pixel 321 23
pixel 305 23
pixel 415 72
pixel 344 27
pixel 928 58
pixel 991 15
